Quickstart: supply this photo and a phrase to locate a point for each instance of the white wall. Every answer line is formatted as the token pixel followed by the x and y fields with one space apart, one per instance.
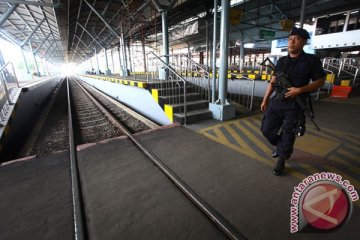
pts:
pixel 337 40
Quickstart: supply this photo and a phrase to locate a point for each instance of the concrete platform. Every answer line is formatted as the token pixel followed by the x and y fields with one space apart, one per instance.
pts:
pixel 35 199
pixel 128 197
pixel 227 163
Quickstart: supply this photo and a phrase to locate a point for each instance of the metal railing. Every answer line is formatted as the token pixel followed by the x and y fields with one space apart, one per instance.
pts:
pixel 202 77
pixel 8 82
pixel 193 72
pixel 174 88
pixel 241 91
pixel 329 83
pixel 348 66
pixel 331 63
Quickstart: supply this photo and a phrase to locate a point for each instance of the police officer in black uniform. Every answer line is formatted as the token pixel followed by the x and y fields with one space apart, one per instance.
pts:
pixel 285 113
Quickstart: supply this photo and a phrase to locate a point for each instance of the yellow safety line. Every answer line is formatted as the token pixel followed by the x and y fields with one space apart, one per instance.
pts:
pixel 309 168
pixel 339 160
pixel 348 154
pixel 343 135
pixel 293 172
pixel 246 149
pixel 232 146
pixel 349 166
pixel 253 138
pixel 221 137
pixel 259 143
pixel 324 135
pixel 357 149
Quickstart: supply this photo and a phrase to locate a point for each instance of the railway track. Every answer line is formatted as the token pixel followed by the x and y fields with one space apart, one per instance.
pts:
pixel 116 128
pixel 50 135
pixel 91 124
pixel 91 118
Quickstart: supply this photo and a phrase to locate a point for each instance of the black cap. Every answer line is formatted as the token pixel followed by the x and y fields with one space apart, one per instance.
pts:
pixel 301 32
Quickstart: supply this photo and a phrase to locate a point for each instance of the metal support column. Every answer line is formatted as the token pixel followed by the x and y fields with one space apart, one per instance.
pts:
pixel 213 84
pixel 42 65
pixel 125 71
pixel 130 62
pixel 112 60
pixel 25 62
pixel 242 55
pixel 91 65
pixel 164 72
pixel 120 61
pixel 224 46
pixel 36 65
pixel 222 110
pixel 207 41
pixel 144 54
pixel 107 70
pixel 302 14
pixel 97 62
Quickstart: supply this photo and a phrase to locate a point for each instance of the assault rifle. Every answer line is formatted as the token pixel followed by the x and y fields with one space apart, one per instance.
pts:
pixel 285 84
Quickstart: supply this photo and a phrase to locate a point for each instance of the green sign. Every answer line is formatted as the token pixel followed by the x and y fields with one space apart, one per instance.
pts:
pixel 266 35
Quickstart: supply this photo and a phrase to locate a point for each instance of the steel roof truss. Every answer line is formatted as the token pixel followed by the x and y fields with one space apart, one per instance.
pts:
pixel 32 33
pixel 7 14
pixel 55 5
pixel 89 34
pixel 43 41
pixel 102 19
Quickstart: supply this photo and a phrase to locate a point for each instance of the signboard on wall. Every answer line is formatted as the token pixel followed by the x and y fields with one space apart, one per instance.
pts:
pixel 235 16
pixel 266 35
pixel 286 25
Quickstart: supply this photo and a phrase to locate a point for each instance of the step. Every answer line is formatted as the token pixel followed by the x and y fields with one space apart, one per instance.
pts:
pixel 340 94
pixel 169 91
pixel 176 99
pixel 164 84
pixel 190 105
pixel 340 91
pixel 193 116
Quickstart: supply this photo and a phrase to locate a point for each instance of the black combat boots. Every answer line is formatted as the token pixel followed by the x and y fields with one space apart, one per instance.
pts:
pixel 275 153
pixel 279 167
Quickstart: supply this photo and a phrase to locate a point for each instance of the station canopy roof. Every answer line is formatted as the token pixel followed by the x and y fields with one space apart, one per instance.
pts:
pixel 73 30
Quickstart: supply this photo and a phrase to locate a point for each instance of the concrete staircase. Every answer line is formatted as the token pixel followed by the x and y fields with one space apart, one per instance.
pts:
pixel 171 99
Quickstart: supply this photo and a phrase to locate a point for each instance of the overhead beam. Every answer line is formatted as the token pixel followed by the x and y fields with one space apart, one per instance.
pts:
pixel 102 19
pixel 84 43
pixel 89 34
pixel 7 14
pixel 32 33
pixel 43 41
pixel 47 49
pixel 9 37
pixel 54 5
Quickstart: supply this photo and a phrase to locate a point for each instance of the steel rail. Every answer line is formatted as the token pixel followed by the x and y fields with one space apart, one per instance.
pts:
pixel 223 224
pixel 79 225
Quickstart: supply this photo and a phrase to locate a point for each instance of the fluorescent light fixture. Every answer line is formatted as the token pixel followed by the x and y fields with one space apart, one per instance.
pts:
pixel 249 45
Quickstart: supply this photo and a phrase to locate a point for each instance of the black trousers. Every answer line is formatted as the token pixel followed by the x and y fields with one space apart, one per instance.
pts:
pixel 281 114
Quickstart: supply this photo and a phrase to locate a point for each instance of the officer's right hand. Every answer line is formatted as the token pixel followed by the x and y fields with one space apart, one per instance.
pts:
pixel 264 105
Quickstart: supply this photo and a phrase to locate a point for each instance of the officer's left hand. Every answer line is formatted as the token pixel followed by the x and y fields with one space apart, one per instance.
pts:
pixel 292 92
